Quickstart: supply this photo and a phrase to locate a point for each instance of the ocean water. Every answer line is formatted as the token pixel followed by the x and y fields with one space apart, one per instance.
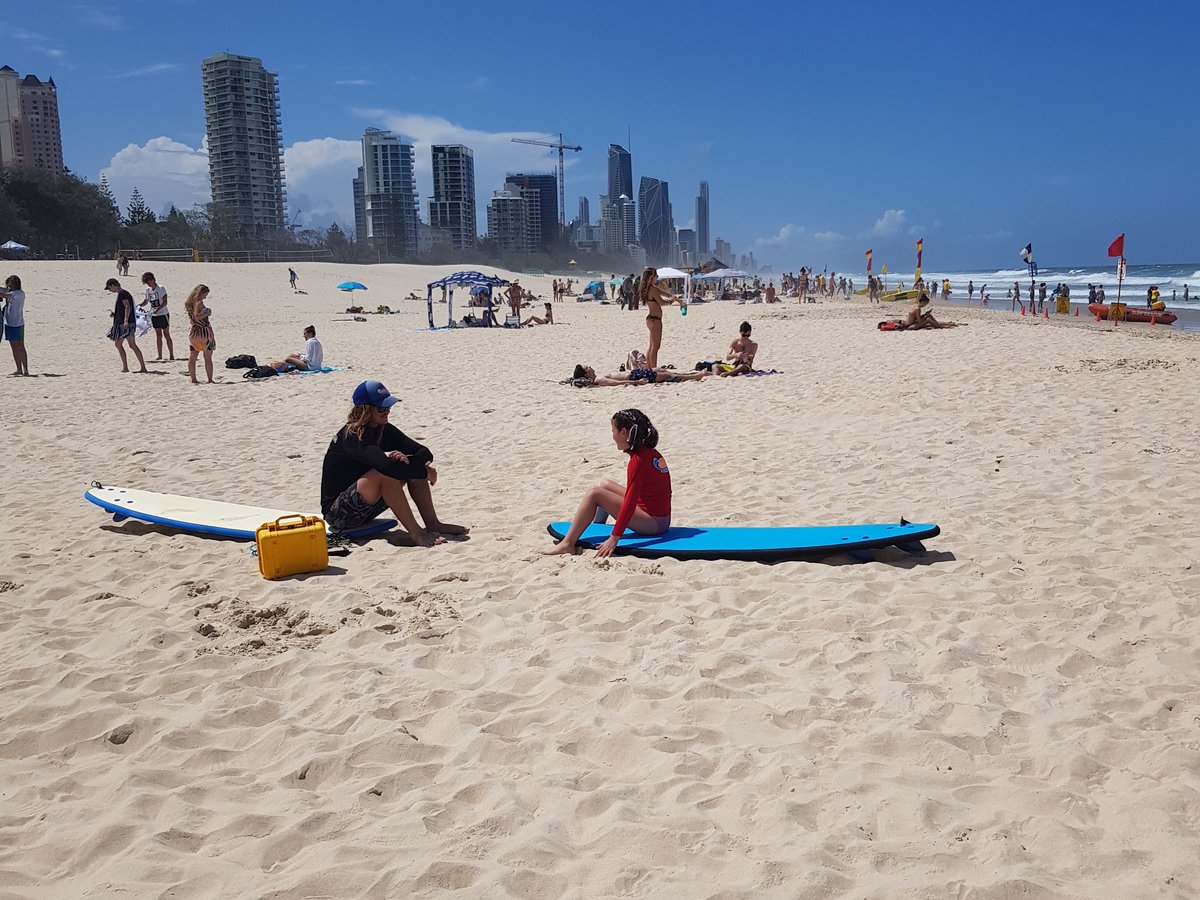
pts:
pixel 1168 276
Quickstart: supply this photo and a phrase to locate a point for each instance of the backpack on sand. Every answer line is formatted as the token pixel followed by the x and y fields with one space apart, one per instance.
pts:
pixel 260 372
pixel 244 361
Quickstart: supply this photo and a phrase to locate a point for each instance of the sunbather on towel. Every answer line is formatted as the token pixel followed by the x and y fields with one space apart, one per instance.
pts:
pixel 920 317
pixel 585 376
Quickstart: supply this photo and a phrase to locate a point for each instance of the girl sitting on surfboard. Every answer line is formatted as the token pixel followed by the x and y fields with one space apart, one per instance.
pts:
pixel 644 504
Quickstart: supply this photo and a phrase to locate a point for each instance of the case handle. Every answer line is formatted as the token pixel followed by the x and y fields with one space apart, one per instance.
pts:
pixel 299 520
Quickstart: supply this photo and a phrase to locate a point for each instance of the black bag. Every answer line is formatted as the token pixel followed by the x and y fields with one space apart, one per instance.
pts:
pixel 245 361
pixel 261 372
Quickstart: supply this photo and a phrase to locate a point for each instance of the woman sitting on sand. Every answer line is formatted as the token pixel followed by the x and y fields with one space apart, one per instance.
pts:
pixel 538 320
pixel 368 465
pixel 644 504
pixel 652 297
pixel 585 376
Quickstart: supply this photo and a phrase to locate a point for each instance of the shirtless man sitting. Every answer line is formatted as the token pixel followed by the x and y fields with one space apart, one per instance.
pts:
pixel 920 317
pixel 740 358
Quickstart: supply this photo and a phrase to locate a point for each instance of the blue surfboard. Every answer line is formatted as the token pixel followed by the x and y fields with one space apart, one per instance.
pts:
pixel 198 516
pixel 758 543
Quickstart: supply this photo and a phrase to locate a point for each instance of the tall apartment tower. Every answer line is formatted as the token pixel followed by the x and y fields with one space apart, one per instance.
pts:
pixel 360 207
pixel 452 208
pixel 620 187
pixel 702 219
pixel 585 212
pixel 30 134
pixel 509 219
pixel 245 142
pixel 389 194
pixel 546 184
pixel 656 232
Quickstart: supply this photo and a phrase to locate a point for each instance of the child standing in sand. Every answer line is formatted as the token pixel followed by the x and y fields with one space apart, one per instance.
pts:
pixel 124 326
pixel 644 504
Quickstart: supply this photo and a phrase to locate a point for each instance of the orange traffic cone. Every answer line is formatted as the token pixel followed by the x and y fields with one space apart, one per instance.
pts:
pixel 1077 312
pixel 1045 313
pixel 1154 320
pixel 1022 309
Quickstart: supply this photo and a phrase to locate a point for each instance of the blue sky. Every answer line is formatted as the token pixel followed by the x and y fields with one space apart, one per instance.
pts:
pixel 822 130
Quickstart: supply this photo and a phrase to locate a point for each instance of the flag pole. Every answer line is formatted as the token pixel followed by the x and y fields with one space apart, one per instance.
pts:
pixel 1120 275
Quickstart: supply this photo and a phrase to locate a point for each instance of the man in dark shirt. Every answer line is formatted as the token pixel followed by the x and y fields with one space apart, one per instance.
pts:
pixel 370 462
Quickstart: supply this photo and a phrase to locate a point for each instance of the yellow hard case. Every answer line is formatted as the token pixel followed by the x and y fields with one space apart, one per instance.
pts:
pixel 291 545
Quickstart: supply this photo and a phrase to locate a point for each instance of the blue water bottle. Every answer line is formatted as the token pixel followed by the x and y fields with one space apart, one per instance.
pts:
pixel 683 309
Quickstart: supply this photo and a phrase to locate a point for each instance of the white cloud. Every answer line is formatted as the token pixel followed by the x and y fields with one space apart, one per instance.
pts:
pixel 164 170
pixel 149 70
pixel 783 237
pixel 354 82
pixel 888 224
pixel 828 237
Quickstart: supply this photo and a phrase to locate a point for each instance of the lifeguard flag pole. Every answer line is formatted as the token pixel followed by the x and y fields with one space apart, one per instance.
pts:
pixel 1117 248
pixel 1027 256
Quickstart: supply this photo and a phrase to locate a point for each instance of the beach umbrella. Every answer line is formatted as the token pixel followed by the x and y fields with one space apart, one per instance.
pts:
pixel 12 245
pixel 616 281
pixel 351 286
pixel 592 287
pixel 711 264
pixel 479 289
pixel 571 262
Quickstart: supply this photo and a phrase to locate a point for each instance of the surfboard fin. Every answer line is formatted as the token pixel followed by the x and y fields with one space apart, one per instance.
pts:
pixel 912 547
pixel 117 517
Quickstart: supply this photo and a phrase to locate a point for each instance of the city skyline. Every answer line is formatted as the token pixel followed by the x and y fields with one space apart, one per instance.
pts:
pixel 989 149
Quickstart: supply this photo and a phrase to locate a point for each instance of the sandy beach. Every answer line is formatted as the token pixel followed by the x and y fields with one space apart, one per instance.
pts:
pixel 1014 713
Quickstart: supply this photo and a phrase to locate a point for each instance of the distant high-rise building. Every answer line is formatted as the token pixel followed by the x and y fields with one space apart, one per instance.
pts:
pixel 452 208
pixel 702 219
pixel 509 219
pixel 687 247
pixel 547 187
pixel 245 142
pixel 585 212
pixel 618 221
pixel 723 252
pixel 30 134
pixel 360 208
pixel 389 194
pixel 620 171
pixel 656 229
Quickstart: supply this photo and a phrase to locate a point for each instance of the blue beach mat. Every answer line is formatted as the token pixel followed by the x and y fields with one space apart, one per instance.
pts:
pixel 757 543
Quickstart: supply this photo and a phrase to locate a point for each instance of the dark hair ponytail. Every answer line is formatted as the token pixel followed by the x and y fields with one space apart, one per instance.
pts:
pixel 641 432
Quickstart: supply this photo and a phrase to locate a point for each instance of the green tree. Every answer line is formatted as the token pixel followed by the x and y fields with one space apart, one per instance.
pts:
pixel 138 213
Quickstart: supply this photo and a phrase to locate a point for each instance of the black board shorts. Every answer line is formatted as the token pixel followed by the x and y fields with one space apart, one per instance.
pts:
pixel 349 510
pixel 162 321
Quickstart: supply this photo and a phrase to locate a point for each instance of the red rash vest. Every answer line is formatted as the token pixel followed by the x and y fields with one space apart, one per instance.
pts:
pixel 648 486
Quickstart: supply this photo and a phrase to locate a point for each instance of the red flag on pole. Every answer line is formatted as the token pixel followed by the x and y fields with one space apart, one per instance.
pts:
pixel 1117 247
pixel 870 254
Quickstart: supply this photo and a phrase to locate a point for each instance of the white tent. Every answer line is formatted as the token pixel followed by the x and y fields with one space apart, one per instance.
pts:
pixel 12 245
pixel 668 272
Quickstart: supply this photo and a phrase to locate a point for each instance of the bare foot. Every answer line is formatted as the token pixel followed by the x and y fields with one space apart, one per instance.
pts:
pixel 210 381
pixel 143 371
pixel 194 381
pixel 562 548
pixel 444 528
pixel 425 539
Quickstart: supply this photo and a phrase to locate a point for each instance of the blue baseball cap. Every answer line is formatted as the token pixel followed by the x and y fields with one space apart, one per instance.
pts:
pixel 373 393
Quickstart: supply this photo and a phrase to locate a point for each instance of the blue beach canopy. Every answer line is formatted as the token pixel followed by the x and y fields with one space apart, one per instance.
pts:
pixel 476 279
pixel 351 286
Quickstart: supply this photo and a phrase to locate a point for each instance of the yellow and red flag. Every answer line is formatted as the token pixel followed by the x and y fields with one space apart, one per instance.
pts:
pixel 870 253
pixel 920 250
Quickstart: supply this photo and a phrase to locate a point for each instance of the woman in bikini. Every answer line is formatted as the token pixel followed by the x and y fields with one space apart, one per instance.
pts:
pixel 201 339
pixel 653 296
pixel 644 504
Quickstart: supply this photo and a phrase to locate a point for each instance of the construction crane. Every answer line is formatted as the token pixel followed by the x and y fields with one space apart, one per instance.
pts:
pixel 562 194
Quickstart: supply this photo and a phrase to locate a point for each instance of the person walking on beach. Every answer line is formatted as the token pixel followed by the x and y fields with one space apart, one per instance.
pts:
pixel 1099 293
pixel 644 504
pixel 653 297
pixel 368 466
pixel 156 297
pixel 292 277
pixel 970 291
pixel 124 326
pixel 1185 293
pixel 201 338
pixel 13 322
pixel 1041 298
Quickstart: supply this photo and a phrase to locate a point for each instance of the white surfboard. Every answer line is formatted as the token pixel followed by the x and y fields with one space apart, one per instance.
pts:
pixel 199 516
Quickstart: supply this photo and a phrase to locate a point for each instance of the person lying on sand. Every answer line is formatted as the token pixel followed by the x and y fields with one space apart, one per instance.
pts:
pixel 920 317
pixel 368 465
pixel 585 376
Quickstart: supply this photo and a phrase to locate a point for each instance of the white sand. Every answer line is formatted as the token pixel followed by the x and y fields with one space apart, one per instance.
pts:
pixel 1014 714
